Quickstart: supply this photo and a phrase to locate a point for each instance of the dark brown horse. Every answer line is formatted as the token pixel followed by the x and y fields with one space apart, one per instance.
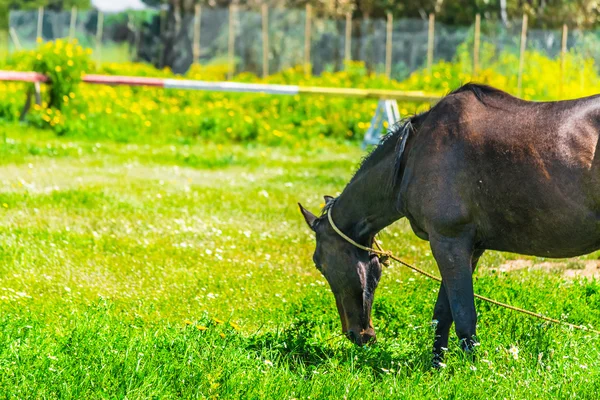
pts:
pixel 480 170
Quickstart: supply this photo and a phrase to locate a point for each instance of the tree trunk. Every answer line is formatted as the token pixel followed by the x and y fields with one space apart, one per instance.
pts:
pixel 178 36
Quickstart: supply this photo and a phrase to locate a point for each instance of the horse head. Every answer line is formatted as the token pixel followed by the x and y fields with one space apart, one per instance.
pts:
pixel 352 274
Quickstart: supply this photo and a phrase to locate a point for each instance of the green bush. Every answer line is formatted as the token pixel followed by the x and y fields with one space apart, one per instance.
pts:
pixel 63 62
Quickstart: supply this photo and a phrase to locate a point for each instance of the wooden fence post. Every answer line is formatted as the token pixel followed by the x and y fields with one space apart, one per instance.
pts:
pixel 99 28
pixel 196 45
pixel 231 43
pixel 430 41
pixel 348 40
pixel 563 58
pixel 522 54
pixel 40 23
pixel 307 31
pixel 476 41
pixel 265 39
pixel 73 23
pixel 388 44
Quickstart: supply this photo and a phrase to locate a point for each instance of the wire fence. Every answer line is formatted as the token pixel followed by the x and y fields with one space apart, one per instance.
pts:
pixel 270 40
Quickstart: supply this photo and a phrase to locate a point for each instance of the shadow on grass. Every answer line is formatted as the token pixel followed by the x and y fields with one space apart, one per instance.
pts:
pixel 305 345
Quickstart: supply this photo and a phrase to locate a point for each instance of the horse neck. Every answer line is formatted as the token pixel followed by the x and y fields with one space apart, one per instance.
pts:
pixel 368 203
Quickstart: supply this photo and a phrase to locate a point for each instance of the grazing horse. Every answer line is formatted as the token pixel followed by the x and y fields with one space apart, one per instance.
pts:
pixel 481 170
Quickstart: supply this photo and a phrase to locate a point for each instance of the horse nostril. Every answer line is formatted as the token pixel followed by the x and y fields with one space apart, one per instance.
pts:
pixel 352 335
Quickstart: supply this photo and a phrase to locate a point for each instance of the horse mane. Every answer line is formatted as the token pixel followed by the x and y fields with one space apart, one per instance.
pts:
pixel 480 91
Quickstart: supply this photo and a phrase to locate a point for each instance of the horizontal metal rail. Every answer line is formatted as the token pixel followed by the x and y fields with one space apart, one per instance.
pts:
pixel 237 87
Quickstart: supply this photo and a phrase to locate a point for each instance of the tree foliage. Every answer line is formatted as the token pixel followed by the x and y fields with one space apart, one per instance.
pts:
pixel 50 4
pixel 541 13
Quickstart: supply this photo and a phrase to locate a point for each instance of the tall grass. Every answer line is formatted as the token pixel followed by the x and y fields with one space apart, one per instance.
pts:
pixel 184 271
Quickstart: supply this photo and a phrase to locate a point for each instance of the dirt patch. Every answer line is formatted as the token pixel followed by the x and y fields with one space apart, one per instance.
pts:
pixel 572 268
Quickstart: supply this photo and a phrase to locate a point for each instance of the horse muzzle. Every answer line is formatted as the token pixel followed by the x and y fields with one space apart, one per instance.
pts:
pixel 361 337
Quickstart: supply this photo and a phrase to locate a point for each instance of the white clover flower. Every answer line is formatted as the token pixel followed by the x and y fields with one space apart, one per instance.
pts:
pixel 514 352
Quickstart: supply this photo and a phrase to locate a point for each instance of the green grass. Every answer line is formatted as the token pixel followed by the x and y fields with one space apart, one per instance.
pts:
pixel 184 271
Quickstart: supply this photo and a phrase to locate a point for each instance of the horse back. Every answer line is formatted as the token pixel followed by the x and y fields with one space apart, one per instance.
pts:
pixel 524 175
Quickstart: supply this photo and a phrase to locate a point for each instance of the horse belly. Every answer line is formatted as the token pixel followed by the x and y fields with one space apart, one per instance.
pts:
pixel 547 223
pixel 544 240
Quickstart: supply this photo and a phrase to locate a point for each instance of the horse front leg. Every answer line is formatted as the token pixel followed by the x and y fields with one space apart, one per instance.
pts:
pixel 442 316
pixel 454 256
pixel 442 320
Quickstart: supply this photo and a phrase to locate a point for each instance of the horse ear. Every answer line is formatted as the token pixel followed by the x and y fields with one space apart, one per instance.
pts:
pixel 328 199
pixel 309 217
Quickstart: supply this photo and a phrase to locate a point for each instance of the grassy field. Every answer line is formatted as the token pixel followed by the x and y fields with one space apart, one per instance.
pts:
pixel 165 271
